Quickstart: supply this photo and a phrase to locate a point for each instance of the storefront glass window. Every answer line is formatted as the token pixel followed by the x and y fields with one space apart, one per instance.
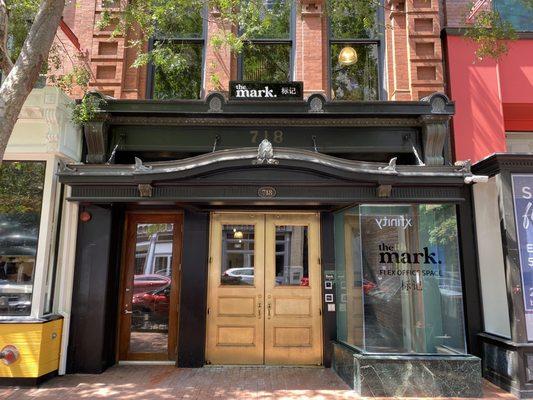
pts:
pixel 266 63
pixel 354 49
pixel 292 264
pixel 152 281
pixel 177 53
pixel 21 193
pixel 398 279
pixel 238 247
pixel 182 77
pixel 266 55
pixel 358 81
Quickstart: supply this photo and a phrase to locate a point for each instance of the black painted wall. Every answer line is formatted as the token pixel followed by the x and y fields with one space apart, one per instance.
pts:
pixel 329 320
pixel 92 335
pixel 470 274
pixel 193 290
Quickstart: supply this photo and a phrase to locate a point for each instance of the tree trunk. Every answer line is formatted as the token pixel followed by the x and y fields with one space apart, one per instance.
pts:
pixel 5 62
pixel 20 81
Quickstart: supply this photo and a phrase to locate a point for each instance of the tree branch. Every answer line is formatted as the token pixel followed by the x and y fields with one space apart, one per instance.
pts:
pixel 5 62
pixel 20 81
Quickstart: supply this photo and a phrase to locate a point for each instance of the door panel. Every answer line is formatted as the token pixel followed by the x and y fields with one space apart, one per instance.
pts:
pixel 148 313
pixel 235 317
pixel 293 329
pixel 264 289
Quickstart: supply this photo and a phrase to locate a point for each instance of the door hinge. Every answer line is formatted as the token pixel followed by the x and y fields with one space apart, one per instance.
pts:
pixel 319 261
pixel 210 260
pixel 208 310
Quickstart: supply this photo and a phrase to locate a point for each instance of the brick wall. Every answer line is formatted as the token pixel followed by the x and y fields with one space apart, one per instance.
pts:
pixel 456 13
pixel 413 55
pixel 414 51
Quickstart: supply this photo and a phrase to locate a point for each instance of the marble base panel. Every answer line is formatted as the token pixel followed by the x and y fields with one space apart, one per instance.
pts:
pixel 508 364
pixel 408 376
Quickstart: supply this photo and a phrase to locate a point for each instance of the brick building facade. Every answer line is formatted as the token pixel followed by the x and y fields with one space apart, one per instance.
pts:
pixel 225 229
pixel 410 57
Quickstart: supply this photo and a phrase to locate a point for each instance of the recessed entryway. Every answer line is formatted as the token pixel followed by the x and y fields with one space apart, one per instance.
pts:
pixel 264 304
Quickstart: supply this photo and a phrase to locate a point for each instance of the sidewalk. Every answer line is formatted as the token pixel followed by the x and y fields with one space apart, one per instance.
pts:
pixel 168 382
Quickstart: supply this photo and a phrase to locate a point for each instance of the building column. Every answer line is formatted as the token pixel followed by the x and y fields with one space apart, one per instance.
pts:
pixel 193 290
pixel 219 63
pixel 396 38
pixel 310 56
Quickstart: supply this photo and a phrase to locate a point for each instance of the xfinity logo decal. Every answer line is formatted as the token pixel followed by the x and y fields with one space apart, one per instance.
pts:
pixel 388 222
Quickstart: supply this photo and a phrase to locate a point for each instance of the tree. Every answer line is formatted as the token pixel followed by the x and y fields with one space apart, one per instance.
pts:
pixel 237 21
pixel 491 29
pixel 24 72
pixel 25 50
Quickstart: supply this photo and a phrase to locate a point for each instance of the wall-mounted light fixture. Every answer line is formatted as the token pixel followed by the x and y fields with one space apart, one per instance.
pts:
pixel 347 56
pixel 85 216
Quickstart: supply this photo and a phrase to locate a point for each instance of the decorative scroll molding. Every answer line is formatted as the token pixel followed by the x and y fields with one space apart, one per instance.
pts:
pixel 384 191
pixel 145 190
pixel 241 157
pixel 96 138
pixel 434 132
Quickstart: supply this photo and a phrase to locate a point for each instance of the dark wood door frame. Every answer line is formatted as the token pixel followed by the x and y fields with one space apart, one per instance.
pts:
pixel 127 271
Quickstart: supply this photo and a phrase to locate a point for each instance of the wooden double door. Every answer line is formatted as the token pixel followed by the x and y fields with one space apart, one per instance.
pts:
pixel 148 316
pixel 264 296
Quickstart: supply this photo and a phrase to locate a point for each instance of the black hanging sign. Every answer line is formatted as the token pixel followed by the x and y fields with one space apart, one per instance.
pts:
pixel 261 91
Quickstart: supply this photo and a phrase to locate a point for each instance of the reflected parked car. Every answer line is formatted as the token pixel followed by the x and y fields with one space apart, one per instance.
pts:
pixel 148 282
pixel 155 303
pixel 368 286
pixel 15 298
pixel 238 276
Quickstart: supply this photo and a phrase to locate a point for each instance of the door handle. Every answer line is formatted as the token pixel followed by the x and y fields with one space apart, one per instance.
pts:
pixel 269 306
pixel 259 309
pixel 128 312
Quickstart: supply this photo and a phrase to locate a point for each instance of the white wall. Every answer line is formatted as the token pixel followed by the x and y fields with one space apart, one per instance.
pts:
pixel 519 142
pixel 491 261
pixel 45 131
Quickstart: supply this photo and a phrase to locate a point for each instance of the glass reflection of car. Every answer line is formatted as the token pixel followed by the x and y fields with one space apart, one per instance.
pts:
pixel 153 303
pixel 238 276
pixel 368 286
pixel 15 298
pixel 163 272
pixel 386 289
pixel 146 282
